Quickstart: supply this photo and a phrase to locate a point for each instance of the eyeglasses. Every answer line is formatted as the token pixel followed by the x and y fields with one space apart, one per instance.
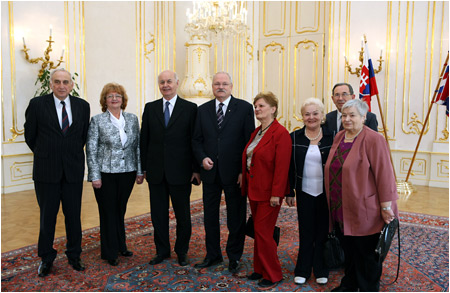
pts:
pixel 114 96
pixel 217 84
pixel 344 95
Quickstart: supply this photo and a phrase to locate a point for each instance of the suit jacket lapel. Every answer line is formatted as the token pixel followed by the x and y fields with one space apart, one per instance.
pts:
pixel 75 112
pixel 177 110
pixel 213 113
pixel 267 136
pixel 160 112
pixel 50 105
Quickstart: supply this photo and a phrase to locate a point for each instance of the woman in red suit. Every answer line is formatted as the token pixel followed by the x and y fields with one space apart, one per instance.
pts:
pixel 266 161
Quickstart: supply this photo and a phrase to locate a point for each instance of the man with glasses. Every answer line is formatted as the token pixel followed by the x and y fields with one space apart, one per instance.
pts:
pixel 343 92
pixel 222 130
pixel 56 127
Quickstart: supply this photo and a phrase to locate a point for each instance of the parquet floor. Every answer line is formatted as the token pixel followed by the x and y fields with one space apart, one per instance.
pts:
pixel 20 212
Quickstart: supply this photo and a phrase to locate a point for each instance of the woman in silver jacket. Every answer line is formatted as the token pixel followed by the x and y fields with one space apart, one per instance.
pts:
pixel 113 160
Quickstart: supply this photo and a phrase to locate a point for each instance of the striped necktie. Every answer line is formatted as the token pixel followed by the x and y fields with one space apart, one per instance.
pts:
pixel 220 115
pixel 65 119
pixel 167 113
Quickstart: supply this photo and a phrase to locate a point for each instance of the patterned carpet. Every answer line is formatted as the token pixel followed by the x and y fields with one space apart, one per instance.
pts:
pixel 424 266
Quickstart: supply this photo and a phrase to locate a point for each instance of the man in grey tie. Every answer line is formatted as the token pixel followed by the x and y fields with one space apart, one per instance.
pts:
pixel 56 128
pixel 169 166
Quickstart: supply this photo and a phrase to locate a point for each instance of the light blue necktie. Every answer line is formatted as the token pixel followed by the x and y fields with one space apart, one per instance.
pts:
pixel 167 114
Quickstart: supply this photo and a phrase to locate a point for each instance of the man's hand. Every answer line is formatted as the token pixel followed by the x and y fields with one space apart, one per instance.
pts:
pixel 97 183
pixel 290 201
pixel 240 180
pixel 207 164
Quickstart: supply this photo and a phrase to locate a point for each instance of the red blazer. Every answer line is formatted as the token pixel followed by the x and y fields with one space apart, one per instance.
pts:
pixel 367 180
pixel 268 175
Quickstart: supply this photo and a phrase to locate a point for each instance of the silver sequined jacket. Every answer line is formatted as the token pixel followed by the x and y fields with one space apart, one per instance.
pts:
pixel 104 149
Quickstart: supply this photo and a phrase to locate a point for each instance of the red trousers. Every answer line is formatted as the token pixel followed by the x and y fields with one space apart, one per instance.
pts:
pixel 265 259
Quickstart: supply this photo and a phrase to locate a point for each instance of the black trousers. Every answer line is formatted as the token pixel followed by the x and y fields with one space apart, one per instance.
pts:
pixel 112 199
pixel 236 218
pixel 362 269
pixel 159 205
pixel 49 196
pixel 313 227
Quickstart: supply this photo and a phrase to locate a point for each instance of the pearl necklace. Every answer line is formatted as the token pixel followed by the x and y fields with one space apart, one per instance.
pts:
pixel 314 138
pixel 345 135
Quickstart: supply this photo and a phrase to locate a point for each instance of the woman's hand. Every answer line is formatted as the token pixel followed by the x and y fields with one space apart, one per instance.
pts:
pixel 97 183
pixel 290 201
pixel 139 179
pixel 274 201
pixel 387 216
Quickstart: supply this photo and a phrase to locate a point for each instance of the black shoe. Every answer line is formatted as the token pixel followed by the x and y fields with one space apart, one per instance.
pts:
pixel 183 260
pixel 126 253
pixel 113 262
pixel 344 289
pixel 208 262
pixel 254 277
pixel 158 259
pixel 44 268
pixel 266 283
pixel 233 266
pixel 77 264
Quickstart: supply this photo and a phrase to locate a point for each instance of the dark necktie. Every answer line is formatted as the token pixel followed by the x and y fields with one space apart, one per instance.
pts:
pixel 167 113
pixel 65 119
pixel 220 115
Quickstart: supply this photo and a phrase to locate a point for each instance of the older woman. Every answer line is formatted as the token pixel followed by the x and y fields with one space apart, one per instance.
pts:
pixel 362 193
pixel 114 165
pixel 266 160
pixel 310 148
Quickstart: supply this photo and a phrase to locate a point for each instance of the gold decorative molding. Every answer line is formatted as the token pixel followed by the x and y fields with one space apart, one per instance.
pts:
pixel 442 169
pixel 151 42
pixel 283 17
pixel 420 167
pixel 18 173
pixel 199 52
pixel 305 44
pixel 249 49
pixel 306 29
pixel 415 125
pixel 445 138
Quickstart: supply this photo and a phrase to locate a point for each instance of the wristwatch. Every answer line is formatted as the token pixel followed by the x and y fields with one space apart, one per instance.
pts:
pixel 386 208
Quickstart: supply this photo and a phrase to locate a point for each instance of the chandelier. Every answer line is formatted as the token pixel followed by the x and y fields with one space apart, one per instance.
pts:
pixel 217 19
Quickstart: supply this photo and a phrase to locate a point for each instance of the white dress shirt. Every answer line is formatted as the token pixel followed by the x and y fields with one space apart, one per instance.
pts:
pixel 172 104
pixel 225 105
pixel 312 182
pixel 338 120
pixel 59 107
pixel 120 124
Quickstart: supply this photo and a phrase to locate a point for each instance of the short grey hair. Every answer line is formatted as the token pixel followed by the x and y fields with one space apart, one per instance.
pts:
pixel 60 70
pixel 350 88
pixel 359 105
pixel 223 72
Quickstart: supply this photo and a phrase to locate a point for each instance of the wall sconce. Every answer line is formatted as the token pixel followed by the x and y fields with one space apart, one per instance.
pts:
pixel 357 70
pixel 46 59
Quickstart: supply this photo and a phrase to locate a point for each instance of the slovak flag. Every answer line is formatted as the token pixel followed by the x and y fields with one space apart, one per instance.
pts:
pixel 442 96
pixel 367 84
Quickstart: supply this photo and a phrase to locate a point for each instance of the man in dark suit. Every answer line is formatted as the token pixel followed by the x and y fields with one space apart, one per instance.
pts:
pixel 56 128
pixel 343 92
pixel 169 165
pixel 222 129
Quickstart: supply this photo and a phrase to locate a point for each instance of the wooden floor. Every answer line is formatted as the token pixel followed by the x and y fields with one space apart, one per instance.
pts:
pixel 20 212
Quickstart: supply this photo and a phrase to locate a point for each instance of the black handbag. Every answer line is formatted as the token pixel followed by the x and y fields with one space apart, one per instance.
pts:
pixel 333 254
pixel 250 230
pixel 384 243
pixel 385 240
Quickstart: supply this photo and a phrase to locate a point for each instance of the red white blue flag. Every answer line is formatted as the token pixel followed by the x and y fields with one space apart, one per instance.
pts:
pixel 442 95
pixel 367 84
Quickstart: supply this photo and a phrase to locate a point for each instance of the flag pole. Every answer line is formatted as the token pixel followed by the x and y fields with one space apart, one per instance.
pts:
pixel 385 135
pixel 426 119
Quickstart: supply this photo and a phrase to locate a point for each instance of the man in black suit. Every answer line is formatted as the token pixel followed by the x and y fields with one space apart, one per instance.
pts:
pixel 343 92
pixel 169 165
pixel 56 128
pixel 222 129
